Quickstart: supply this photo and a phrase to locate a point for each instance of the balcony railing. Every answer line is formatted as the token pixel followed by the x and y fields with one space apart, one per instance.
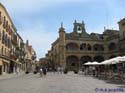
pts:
pixel 4 25
pixel 5 55
pixel 85 51
pixel 13 57
pixel 14 42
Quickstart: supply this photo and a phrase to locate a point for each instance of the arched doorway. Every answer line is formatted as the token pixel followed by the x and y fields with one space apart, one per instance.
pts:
pixel 85 59
pixel 11 68
pixel 112 46
pixel 99 58
pixel 112 56
pixel 72 63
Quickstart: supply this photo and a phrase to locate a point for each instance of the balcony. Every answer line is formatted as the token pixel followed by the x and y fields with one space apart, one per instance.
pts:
pixel 5 55
pixel 13 57
pixel 14 42
pixel 4 25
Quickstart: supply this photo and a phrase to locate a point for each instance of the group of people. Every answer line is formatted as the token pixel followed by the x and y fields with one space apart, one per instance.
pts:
pixel 43 71
pixel 58 70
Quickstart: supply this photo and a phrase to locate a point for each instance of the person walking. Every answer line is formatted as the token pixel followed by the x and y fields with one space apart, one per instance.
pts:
pixel 17 70
pixel 44 70
pixel 54 70
pixel 58 70
pixel 41 72
pixel 61 69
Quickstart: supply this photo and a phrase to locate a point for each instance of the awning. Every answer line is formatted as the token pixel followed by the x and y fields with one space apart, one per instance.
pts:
pixel 88 63
pixel 92 63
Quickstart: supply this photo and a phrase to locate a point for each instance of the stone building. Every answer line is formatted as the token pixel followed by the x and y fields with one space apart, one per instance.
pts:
pixel 72 50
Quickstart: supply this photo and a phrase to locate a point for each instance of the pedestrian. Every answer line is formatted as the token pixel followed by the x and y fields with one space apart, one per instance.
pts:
pixel 54 70
pixel 44 70
pixel 58 70
pixel 41 72
pixel 17 70
pixel 61 70
pixel 93 71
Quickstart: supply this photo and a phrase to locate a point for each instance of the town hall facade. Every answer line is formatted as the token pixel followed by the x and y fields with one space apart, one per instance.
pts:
pixel 72 50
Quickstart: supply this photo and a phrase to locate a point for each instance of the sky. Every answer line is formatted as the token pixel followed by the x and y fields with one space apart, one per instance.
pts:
pixel 39 20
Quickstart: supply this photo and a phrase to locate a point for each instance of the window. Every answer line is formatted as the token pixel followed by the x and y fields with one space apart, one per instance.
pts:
pixel 8 29
pixel 2 50
pixel 7 25
pixel 89 47
pixel 123 24
pixel 112 46
pixel 5 52
pixel 4 22
pixel 6 39
pixel 3 37
pixel 72 46
pixel 8 42
pixel 83 46
pixel 0 34
pixel 0 18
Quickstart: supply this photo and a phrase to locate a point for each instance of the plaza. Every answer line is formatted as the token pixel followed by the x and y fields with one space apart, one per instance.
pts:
pixel 57 83
pixel 86 57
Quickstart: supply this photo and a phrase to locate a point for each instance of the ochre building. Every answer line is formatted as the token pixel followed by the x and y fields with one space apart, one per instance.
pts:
pixel 13 54
pixel 6 28
pixel 72 50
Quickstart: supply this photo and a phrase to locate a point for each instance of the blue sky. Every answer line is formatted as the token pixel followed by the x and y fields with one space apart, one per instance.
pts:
pixel 39 20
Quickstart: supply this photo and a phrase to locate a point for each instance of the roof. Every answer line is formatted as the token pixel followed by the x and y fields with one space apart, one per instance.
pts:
pixel 81 36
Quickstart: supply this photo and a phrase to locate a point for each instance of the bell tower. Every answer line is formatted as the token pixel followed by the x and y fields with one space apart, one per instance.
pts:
pixel 79 27
pixel 122 28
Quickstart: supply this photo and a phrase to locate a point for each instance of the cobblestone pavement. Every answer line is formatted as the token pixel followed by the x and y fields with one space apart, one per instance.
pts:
pixel 54 83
